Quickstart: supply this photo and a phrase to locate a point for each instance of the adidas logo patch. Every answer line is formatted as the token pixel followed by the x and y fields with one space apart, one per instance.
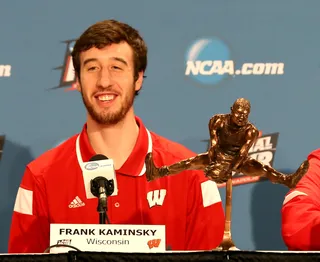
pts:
pixel 76 202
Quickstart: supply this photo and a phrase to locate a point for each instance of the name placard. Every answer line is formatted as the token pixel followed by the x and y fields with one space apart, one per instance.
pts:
pixel 108 237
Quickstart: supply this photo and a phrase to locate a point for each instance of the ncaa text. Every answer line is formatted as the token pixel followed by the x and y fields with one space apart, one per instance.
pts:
pixel 219 67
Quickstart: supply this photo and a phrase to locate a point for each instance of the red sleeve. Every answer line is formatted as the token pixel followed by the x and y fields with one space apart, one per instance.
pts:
pixel 205 216
pixel 301 211
pixel 30 227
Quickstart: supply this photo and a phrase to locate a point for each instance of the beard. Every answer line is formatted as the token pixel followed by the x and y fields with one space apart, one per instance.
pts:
pixel 104 116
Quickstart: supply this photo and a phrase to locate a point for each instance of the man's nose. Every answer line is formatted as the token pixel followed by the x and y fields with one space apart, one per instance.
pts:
pixel 104 78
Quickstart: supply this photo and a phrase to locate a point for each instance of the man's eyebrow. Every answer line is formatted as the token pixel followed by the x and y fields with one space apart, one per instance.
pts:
pixel 88 60
pixel 120 60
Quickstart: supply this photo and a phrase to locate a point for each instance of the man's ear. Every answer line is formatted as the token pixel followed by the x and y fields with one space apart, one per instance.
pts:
pixel 77 84
pixel 139 81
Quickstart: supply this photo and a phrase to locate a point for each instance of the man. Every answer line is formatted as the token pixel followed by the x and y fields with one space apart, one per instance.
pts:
pixel 231 137
pixel 301 210
pixel 110 59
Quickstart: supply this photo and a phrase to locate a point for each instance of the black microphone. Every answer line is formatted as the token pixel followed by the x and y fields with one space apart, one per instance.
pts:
pixel 101 187
pixel 98 157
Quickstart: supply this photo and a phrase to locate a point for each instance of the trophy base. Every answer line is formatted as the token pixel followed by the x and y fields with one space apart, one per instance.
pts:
pixel 227 245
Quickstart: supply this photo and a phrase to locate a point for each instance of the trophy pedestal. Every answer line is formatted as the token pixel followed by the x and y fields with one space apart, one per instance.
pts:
pixel 227 243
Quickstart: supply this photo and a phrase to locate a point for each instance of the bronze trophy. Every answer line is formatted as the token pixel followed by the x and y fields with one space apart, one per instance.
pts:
pixel 231 137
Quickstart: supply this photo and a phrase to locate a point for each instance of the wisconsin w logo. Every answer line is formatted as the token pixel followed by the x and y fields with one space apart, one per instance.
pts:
pixel 156 197
pixel 154 243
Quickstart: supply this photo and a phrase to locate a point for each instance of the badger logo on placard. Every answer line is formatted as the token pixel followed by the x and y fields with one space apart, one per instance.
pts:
pixel 153 243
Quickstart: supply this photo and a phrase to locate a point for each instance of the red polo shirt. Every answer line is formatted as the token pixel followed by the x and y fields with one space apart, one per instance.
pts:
pixel 301 210
pixel 52 191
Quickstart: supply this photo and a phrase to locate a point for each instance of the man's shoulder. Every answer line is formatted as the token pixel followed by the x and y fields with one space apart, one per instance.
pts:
pixel 172 150
pixel 168 152
pixel 315 154
pixel 55 155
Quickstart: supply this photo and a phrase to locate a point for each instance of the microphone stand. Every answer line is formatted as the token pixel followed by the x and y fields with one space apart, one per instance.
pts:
pixel 102 188
pixel 102 206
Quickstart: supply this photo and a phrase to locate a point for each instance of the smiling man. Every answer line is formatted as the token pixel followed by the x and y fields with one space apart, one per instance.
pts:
pixel 110 59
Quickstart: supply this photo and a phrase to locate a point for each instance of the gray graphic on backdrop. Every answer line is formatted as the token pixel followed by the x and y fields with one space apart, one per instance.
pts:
pixel 67 77
pixel 2 139
pixel 5 70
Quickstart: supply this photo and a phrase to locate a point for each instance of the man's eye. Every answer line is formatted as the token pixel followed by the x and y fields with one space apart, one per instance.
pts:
pixel 116 67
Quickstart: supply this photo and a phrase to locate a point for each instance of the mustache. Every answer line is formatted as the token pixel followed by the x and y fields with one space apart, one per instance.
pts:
pixel 106 90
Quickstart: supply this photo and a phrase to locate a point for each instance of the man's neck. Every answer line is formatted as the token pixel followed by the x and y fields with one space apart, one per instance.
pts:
pixel 114 141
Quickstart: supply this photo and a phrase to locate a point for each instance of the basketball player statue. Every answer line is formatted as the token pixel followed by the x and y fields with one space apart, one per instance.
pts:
pixel 231 137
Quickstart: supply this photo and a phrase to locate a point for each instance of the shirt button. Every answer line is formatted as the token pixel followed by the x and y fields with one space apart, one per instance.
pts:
pixel 117 204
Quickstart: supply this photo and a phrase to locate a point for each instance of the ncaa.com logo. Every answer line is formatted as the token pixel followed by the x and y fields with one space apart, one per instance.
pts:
pixel 208 61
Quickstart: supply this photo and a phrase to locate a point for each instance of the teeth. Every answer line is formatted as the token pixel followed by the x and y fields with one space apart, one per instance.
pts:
pixel 106 97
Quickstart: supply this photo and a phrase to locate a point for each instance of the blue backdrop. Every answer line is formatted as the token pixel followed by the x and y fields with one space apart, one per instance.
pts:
pixel 272 45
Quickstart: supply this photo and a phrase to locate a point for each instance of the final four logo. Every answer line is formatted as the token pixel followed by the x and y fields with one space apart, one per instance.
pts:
pixel 67 78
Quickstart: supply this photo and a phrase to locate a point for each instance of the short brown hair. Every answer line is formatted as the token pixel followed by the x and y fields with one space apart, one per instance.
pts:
pixel 107 32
